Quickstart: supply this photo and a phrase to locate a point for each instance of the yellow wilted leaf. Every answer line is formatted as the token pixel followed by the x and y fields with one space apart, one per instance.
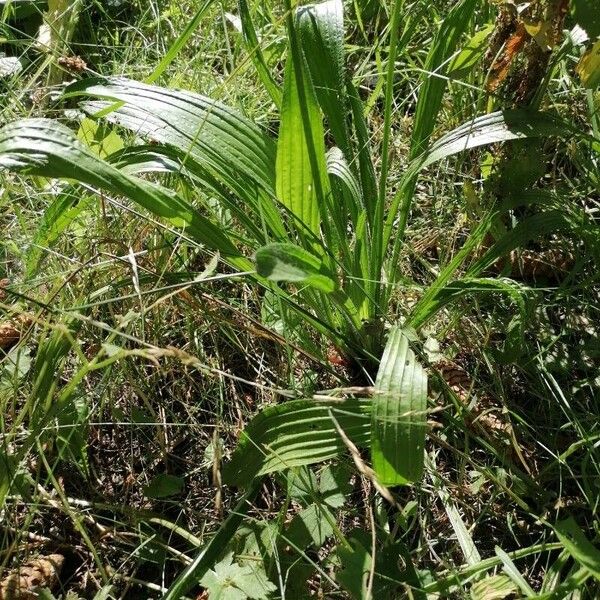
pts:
pixel 541 32
pixel 588 68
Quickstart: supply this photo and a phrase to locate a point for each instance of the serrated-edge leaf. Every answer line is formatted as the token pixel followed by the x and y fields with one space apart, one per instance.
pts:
pixel 399 414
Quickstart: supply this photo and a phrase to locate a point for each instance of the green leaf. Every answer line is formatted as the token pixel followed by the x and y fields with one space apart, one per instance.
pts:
pixel 462 64
pixel 515 575
pixel 388 580
pixel 206 134
pixel 468 286
pixel 209 130
pixel 365 160
pixel 321 29
pixel 488 129
pixel 230 581
pixel 254 49
pixel 578 546
pixel 104 593
pixel 302 485
pixel 399 417
pixel 61 213
pixel 302 183
pixel 356 567
pixel 179 43
pixel 209 554
pixel 497 127
pixel 47 148
pixel 296 433
pixel 72 433
pixel 310 527
pixel 533 227
pixel 463 537
pixel 163 486
pixel 287 262
pixel 334 485
pixel 101 139
pixel 587 15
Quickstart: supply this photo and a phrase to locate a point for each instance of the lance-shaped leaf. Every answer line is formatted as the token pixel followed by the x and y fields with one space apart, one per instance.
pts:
pixel 321 28
pixel 302 183
pixel 287 262
pixel 210 137
pixel 399 414
pixel 47 148
pixel 297 433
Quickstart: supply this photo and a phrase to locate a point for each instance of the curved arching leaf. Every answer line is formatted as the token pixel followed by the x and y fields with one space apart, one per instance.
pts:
pixel 209 135
pixel 297 433
pixel 47 148
pixel 209 130
pixel 500 126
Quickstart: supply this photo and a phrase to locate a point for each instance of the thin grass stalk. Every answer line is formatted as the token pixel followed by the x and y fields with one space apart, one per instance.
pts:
pixel 378 246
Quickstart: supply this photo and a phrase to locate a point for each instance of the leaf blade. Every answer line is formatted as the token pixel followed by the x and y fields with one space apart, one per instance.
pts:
pixel 399 414
pixel 291 263
pixel 296 433
pixel 302 183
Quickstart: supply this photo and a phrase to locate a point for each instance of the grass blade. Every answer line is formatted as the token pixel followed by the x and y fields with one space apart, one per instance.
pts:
pixel 180 42
pixel 511 570
pixel 56 219
pixel 254 49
